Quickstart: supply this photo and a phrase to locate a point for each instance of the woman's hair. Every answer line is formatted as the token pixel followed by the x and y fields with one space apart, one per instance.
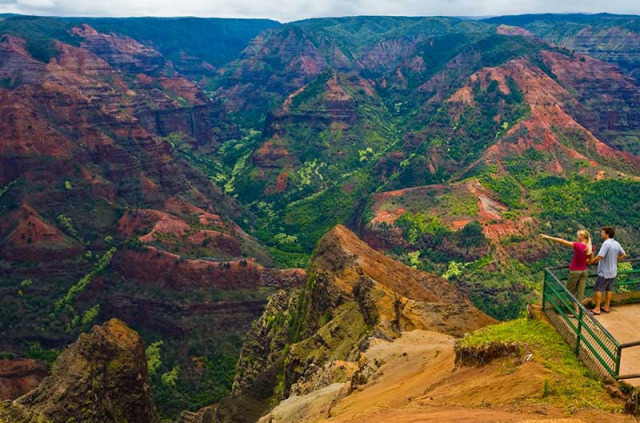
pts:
pixel 586 235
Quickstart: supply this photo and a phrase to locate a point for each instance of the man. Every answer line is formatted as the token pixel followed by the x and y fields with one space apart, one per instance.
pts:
pixel 607 260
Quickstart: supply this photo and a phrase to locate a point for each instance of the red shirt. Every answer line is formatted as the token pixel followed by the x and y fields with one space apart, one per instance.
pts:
pixel 580 257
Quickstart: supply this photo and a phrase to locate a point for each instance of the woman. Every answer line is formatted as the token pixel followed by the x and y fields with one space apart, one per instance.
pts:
pixel 582 253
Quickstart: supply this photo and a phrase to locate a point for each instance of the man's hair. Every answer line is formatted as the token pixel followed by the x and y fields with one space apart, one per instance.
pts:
pixel 609 231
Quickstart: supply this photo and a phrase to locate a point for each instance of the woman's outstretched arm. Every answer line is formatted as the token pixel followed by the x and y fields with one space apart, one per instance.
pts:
pixel 559 240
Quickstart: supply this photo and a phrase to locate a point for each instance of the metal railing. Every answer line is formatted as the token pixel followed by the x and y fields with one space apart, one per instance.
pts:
pixel 597 348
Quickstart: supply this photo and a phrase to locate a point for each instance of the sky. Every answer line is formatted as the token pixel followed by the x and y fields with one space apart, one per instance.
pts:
pixel 290 10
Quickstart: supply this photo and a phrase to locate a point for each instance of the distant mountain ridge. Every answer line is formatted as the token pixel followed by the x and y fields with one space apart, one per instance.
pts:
pixel 609 37
pixel 220 40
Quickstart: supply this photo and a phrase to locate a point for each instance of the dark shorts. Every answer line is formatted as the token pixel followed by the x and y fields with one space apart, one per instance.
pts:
pixel 604 284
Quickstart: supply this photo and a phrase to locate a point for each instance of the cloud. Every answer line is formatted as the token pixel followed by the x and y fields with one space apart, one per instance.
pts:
pixel 44 4
pixel 288 10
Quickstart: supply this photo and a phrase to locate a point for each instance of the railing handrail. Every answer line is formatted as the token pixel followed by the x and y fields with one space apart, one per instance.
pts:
pixel 584 309
pixel 632 260
pixel 629 345
pixel 549 284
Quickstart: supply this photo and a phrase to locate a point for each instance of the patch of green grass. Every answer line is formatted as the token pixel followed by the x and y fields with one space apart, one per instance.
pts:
pixel 461 204
pixel 569 383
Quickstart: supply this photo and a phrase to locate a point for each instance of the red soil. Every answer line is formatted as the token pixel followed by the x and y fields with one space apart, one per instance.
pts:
pixel 184 88
pixel 17 377
pixel 163 268
pixel 30 237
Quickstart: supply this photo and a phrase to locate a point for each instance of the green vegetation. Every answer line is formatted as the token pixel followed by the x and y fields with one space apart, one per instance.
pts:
pixel 507 188
pixel 568 384
pixel 7 187
pixel 169 378
pixel 100 266
pixel 454 270
pixel 176 389
pixel 153 357
pixel 417 226
pixel 67 225
pixel 36 352
pixel 90 315
pixel 40 34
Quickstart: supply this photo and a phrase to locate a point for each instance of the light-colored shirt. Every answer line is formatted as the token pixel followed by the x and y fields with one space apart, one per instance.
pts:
pixel 608 264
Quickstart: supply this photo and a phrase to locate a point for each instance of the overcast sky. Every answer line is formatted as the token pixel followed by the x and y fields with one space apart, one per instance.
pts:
pixel 288 10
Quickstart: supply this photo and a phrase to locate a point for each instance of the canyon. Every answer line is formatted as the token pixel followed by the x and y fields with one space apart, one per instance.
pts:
pixel 218 185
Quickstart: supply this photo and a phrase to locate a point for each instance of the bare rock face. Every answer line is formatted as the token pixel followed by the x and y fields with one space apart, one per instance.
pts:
pixel 19 376
pixel 121 52
pixel 102 377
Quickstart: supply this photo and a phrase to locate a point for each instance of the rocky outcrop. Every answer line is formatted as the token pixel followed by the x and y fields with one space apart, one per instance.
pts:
pixel 351 265
pixel 102 377
pixel 309 339
pixel 330 104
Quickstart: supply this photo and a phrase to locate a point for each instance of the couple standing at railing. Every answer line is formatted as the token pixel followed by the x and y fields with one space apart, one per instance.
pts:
pixel 607 259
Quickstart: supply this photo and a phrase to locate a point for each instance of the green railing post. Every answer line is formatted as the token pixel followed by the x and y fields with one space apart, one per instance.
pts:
pixel 578 331
pixel 618 358
pixel 544 289
pixel 597 343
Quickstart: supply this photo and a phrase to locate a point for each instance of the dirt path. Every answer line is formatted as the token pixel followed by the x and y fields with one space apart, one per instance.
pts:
pixel 417 382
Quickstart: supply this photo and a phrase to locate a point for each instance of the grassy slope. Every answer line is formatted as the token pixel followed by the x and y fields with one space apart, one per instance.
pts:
pixel 570 384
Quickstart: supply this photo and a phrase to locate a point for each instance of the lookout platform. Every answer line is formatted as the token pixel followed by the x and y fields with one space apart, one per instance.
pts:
pixel 623 323
pixel 609 344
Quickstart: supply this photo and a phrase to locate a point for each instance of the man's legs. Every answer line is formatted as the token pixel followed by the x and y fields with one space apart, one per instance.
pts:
pixel 609 290
pixel 599 288
pixel 607 303
pixel 598 300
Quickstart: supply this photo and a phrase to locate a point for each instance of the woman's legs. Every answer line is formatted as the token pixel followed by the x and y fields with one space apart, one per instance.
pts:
pixel 572 282
pixel 582 283
pixel 573 285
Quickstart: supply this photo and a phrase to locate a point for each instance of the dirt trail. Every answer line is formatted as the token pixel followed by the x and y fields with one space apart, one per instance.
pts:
pixel 418 382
